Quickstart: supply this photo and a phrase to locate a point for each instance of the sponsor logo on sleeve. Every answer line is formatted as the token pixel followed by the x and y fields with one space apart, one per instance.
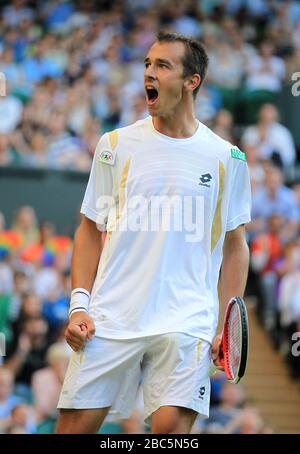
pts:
pixel 238 154
pixel 107 157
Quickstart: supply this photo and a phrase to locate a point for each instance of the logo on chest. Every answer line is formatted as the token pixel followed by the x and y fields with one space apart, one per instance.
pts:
pixel 205 179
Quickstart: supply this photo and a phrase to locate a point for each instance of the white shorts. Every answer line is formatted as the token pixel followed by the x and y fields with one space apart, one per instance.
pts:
pixel 172 368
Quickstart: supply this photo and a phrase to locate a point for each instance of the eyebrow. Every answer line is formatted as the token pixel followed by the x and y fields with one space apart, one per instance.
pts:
pixel 159 60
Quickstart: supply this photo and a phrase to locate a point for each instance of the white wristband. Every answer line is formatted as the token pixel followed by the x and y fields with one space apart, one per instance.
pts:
pixel 80 299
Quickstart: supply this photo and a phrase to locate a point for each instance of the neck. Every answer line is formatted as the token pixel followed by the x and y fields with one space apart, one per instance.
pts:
pixel 182 125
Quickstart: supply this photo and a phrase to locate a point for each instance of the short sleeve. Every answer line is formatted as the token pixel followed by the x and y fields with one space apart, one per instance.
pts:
pixel 239 207
pixel 98 197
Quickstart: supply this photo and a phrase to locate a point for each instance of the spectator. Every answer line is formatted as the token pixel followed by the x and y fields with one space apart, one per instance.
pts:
pixel 289 307
pixel 274 198
pixel 265 71
pixel 21 287
pixel 273 140
pixel 64 149
pixel 25 224
pixel 14 13
pixel 13 71
pixel 56 310
pixel 37 156
pixel 29 355
pixel 8 400
pixel 38 112
pixel 255 165
pixel 223 125
pixel 7 155
pixel 22 416
pixel 39 65
pixel 266 251
pixel 232 399
pixel 208 103
pixel 16 429
pixel 248 422
pixel 296 189
pixel 6 277
pixel 30 308
pixel 46 282
pixel 50 378
pixel 56 14
pixel 293 63
pixel 228 77
pixel 10 112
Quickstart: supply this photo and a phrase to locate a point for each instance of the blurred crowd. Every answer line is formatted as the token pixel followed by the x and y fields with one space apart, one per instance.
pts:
pixel 74 69
pixel 34 301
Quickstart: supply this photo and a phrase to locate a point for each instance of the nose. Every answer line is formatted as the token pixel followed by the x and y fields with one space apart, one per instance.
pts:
pixel 149 73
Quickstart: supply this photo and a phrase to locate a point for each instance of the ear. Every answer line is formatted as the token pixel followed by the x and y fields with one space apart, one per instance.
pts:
pixel 192 82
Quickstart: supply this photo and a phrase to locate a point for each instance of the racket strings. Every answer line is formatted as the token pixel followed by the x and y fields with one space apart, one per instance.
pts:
pixel 234 340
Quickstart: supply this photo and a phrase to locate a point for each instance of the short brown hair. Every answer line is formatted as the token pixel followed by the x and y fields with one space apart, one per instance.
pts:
pixel 195 60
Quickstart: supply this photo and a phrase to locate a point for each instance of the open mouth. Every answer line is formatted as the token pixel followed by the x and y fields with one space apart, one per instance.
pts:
pixel 152 95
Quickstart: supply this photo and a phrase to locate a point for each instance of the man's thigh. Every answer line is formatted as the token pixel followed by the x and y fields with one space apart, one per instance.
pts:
pixel 105 374
pixel 176 371
pixel 85 421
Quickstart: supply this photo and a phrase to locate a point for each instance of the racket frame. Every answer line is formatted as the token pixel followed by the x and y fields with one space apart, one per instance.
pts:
pixel 244 341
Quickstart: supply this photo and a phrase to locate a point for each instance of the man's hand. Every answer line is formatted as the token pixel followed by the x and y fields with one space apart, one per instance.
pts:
pixel 80 329
pixel 215 351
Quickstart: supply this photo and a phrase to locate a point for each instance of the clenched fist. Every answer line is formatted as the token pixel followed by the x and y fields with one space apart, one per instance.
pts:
pixel 80 329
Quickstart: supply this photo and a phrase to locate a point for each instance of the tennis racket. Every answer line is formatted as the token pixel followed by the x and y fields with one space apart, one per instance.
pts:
pixel 234 345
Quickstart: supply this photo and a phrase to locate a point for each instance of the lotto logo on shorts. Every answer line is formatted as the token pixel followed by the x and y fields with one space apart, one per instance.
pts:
pixel 201 392
pixel 2 345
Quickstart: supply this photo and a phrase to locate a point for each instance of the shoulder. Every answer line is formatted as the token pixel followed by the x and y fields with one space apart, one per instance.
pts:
pixel 278 128
pixel 224 149
pixel 210 136
pixel 119 141
pixel 131 132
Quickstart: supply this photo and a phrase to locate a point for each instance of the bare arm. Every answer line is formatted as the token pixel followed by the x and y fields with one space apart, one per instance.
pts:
pixel 86 254
pixel 235 266
pixel 234 275
pixel 85 260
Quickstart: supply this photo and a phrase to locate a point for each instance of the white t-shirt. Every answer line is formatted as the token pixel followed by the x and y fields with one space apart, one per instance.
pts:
pixel 159 269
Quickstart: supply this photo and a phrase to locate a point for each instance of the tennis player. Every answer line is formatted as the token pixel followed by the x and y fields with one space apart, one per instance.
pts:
pixel 173 198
